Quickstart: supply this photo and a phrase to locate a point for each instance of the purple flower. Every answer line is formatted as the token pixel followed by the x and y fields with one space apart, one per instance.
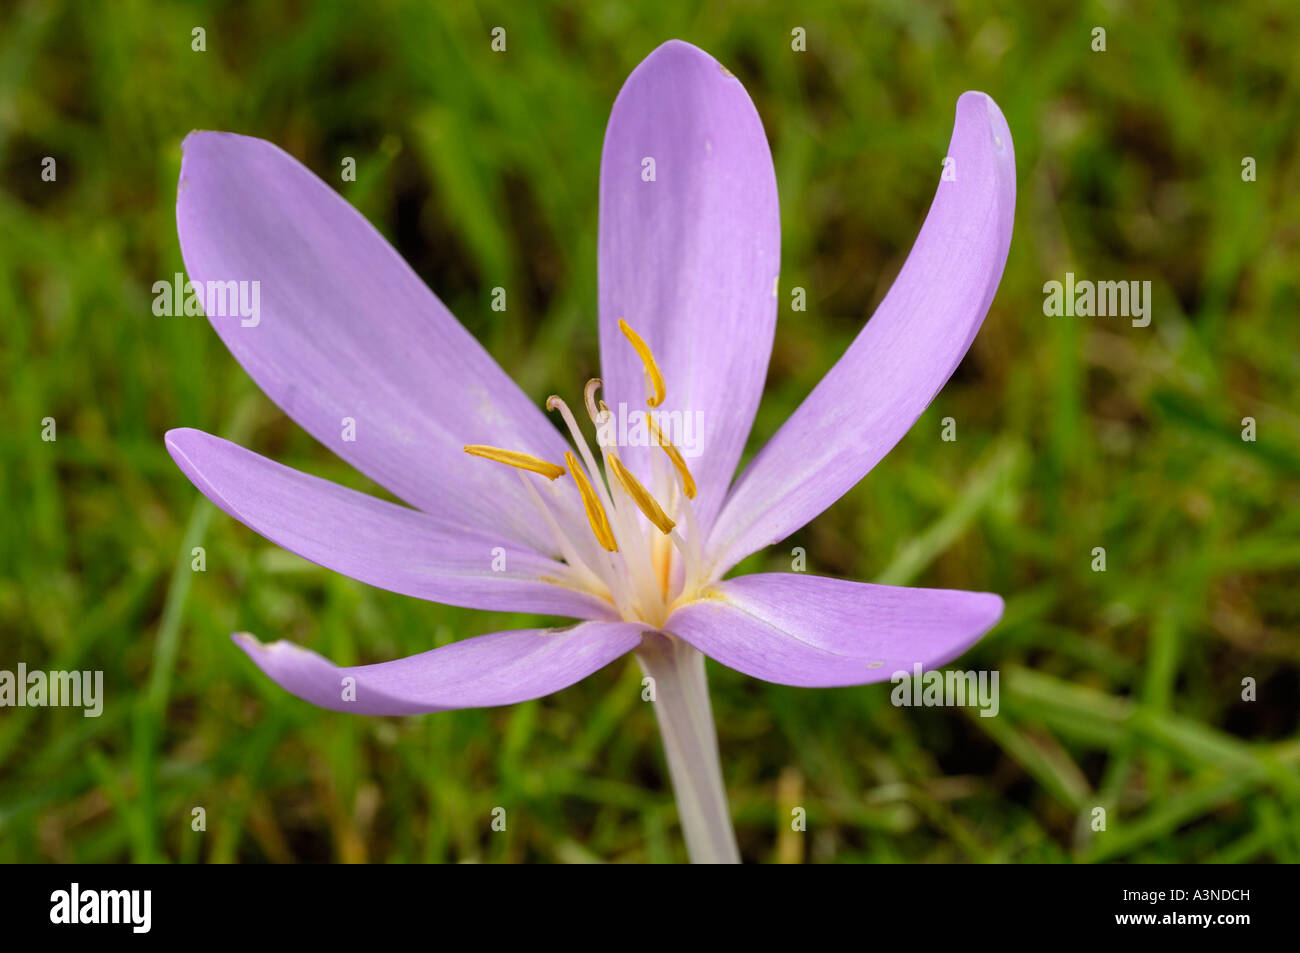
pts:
pixel 688 267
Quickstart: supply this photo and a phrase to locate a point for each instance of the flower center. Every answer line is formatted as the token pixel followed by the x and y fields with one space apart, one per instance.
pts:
pixel 632 551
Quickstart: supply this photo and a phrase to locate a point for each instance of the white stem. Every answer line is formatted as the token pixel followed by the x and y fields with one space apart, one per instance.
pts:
pixel 681 700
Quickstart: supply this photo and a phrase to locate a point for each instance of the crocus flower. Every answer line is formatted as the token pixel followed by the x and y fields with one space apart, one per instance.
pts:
pixel 634 536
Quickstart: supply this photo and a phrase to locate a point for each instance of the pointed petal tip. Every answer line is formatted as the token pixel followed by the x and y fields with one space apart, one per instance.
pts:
pixel 190 450
pixel 991 606
pixel 192 137
pixel 205 150
pixel 680 52
pixel 973 99
pixel 173 440
pixel 180 443
pixel 174 436
pixel 201 137
pixel 996 607
pixel 254 647
pixel 977 95
pixel 198 141
pixel 996 603
pixel 194 147
pixel 678 46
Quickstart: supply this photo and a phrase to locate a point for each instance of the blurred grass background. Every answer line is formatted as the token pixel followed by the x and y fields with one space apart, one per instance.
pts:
pixel 1120 689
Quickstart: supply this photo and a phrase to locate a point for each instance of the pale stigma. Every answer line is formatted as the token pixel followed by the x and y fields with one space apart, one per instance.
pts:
pixel 598 417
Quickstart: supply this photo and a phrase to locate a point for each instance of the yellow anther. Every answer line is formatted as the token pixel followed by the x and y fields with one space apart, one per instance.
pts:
pixel 648 359
pixel 591 503
pixel 646 503
pixel 688 481
pixel 513 458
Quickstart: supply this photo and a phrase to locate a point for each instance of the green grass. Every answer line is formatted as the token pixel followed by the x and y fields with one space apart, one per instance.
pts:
pixel 1120 689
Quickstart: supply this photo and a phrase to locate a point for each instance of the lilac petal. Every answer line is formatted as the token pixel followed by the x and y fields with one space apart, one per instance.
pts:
pixel 902 357
pixel 347 330
pixel 690 260
pixel 818 632
pixel 498 669
pixel 377 542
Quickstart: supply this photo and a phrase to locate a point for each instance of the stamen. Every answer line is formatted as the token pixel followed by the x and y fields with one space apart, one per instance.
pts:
pixel 691 561
pixel 513 458
pixel 646 503
pixel 652 371
pixel 633 549
pixel 692 529
pixel 690 547
pixel 573 558
pixel 688 482
pixel 661 546
pixel 555 403
pixel 632 542
pixel 591 503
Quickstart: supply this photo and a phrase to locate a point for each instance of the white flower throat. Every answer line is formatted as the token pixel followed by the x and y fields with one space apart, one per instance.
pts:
pixel 632 552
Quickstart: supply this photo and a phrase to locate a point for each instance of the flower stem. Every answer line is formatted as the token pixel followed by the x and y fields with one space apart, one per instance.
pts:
pixel 681 700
